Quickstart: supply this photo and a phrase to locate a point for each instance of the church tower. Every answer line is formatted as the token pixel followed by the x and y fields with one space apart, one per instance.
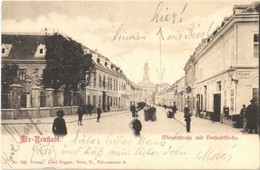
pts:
pixel 147 87
pixel 146 73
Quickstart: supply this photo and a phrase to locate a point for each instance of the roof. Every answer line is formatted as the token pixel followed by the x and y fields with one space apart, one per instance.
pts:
pixel 23 46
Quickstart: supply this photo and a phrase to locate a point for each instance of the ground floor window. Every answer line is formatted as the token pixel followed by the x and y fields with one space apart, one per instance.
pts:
pixel 232 100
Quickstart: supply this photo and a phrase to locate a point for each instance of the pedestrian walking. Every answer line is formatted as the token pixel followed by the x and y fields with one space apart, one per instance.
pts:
pixel 187 116
pixel 99 111
pixel 59 125
pixel 133 109
pixel 242 117
pixel 169 112
pixel 80 114
pixel 252 116
pixel 174 109
pixel 136 125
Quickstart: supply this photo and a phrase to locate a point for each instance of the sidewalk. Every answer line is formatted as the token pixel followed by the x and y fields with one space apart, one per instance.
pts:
pixel 201 125
pixel 68 118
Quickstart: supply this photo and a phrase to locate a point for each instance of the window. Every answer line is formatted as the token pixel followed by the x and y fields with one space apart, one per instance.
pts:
pixel 99 100
pixel 99 81
pixel 95 80
pixel 104 82
pixel 256 94
pixel 256 46
pixel 36 73
pixel 94 101
pixel 88 99
pixel 22 74
pixel 219 86
pixel 3 50
pixel 232 101
pixel 41 51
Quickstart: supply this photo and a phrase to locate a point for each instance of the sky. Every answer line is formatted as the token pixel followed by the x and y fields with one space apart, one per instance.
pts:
pixel 162 33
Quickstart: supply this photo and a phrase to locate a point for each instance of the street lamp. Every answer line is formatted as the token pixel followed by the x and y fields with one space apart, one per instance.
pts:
pixel 231 72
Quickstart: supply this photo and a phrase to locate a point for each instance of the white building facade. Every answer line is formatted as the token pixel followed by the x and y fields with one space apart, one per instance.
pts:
pixel 226 64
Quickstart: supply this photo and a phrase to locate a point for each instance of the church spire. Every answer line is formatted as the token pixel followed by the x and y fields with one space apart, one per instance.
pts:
pixel 146 73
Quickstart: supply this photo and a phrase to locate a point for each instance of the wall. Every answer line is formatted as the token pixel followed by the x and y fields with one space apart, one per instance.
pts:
pixel 24 113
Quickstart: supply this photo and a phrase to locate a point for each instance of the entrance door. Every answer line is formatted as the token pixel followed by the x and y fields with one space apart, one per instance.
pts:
pixel 256 94
pixel 217 107
pixel 104 107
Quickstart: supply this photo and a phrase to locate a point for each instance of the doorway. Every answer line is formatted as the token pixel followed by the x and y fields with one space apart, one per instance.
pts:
pixel 217 107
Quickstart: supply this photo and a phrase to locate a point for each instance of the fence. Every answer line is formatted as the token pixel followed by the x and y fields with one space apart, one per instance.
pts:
pixel 24 100
pixel 42 99
pixel 55 100
pixel 69 99
pixel 5 100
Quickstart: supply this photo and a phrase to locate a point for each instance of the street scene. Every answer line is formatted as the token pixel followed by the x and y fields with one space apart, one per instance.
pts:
pixel 162 125
pixel 122 82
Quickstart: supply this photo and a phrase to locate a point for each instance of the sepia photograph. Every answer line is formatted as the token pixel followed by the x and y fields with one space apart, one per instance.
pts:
pixel 130 84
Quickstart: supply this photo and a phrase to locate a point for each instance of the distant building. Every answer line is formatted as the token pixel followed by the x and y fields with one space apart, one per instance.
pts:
pixel 109 86
pixel 148 88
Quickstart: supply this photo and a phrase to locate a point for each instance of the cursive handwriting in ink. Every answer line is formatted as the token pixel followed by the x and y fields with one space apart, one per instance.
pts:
pixel 149 142
pixel 211 154
pixel 123 35
pixel 175 151
pixel 31 125
pixel 162 15
pixel 14 145
pixel 186 34
pixel 83 139
pixel 43 150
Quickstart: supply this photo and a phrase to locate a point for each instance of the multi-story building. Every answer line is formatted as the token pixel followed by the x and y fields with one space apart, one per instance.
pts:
pixel 28 52
pixel 190 96
pixel 108 87
pixel 226 64
pixel 170 94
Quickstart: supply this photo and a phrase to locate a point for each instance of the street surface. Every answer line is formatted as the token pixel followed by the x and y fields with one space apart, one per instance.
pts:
pixel 118 122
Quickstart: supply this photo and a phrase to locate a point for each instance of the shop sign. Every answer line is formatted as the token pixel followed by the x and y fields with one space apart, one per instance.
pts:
pixel 243 75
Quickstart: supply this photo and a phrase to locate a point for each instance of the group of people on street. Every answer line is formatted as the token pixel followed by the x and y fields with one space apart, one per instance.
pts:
pixel 249 117
pixel 171 110
pixel 59 125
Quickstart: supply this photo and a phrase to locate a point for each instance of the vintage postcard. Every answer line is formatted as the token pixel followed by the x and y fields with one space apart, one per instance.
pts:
pixel 130 84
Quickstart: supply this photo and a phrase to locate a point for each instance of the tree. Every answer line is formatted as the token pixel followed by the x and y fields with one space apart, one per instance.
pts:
pixel 66 63
pixel 9 75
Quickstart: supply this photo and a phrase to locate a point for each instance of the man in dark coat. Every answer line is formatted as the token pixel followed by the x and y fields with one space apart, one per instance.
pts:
pixel 252 116
pixel 187 116
pixel 99 111
pixel 174 109
pixel 59 125
pixel 242 117
pixel 80 114
pixel 136 126
pixel 133 110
